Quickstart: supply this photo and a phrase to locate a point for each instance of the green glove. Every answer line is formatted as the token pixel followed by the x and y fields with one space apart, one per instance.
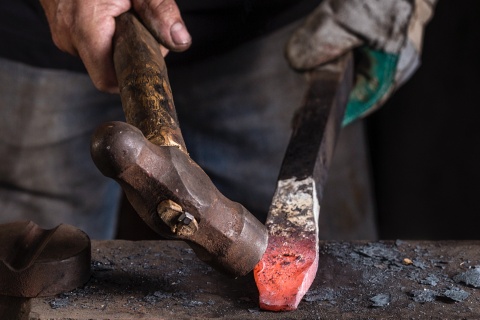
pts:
pixel 386 36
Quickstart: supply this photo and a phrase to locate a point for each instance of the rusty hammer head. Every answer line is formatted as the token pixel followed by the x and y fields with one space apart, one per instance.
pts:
pixel 148 157
pixel 175 197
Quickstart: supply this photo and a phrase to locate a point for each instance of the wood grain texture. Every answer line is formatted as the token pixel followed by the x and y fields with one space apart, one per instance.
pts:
pixel 143 81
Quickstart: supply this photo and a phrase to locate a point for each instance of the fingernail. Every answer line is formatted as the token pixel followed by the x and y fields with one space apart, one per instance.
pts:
pixel 180 34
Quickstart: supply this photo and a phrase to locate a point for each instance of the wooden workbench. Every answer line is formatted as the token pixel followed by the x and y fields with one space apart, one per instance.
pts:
pixel 381 280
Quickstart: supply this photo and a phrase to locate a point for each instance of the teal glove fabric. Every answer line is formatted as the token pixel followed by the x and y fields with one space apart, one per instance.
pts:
pixel 372 83
pixel 385 36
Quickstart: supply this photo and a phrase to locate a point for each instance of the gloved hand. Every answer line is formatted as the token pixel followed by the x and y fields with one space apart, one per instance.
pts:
pixel 86 27
pixel 387 38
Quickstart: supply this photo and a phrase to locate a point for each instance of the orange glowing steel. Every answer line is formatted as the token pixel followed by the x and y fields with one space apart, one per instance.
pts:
pixel 285 273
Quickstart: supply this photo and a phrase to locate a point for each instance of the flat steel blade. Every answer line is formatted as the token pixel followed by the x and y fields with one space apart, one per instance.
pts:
pixel 289 265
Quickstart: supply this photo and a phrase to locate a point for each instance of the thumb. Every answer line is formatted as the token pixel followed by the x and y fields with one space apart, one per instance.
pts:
pixel 164 21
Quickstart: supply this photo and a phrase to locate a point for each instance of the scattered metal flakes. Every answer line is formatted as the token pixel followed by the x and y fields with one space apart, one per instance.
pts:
pixel 438 263
pixel 430 280
pixel 470 277
pixel 156 297
pixel 162 295
pixel 372 257
pixel 211 302
pixel 379 251
pixel 381 300
pixel 419 264
pixel 192 303
pixel 59 302
pixel 160 281
pixel 379 255
pixel 321 294
pixel 456 294
pixel 414 276
pixel 102 266
pixel 424 296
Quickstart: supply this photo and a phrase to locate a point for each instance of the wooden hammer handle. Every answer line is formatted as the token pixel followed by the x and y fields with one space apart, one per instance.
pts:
pixel 144 87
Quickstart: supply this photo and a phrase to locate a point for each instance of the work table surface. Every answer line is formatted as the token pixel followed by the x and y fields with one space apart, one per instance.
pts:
pixel 355 280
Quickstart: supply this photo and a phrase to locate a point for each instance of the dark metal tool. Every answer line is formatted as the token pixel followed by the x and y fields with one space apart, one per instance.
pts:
pixel 148 158
pixel 290 263
pixel 35 262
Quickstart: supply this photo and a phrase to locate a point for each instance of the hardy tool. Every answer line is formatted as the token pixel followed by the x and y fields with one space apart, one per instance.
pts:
pixel 289 265
pixel 148 158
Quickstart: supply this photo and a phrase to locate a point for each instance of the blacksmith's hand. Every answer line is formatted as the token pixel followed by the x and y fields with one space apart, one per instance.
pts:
pixel 387 38
pixel 86 27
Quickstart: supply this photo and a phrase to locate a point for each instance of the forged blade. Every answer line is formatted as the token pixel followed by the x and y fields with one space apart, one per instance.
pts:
pixel 290 263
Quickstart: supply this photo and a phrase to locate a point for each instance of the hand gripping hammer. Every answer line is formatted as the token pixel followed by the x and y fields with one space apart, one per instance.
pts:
pixel 148 158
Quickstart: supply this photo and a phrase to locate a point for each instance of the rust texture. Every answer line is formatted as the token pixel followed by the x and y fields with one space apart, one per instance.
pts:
pixel 226 235
pixel 355 280
pixel 37 262
pixel 292 220
pixel 167 189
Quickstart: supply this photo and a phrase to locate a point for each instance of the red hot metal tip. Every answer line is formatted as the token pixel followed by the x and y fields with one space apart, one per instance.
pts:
pixel 289 264
pixel 286 272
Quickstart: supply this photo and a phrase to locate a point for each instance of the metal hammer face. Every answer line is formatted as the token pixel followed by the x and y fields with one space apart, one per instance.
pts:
pixel 175 197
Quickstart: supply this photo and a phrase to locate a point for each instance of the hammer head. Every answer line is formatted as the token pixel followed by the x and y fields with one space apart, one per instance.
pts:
pixel 175 197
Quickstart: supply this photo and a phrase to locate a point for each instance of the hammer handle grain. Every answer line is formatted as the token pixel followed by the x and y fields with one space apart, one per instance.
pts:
pixel 143 81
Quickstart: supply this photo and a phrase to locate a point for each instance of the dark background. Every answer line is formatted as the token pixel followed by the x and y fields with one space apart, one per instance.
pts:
pixel 425 142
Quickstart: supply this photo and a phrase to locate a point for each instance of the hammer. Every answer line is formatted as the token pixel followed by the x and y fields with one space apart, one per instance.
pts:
pixel 147 156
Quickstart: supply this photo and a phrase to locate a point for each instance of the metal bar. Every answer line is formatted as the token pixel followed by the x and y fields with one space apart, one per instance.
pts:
pixel 290 262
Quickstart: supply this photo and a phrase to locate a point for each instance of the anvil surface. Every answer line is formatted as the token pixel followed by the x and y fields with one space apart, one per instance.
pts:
pixel 355 280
